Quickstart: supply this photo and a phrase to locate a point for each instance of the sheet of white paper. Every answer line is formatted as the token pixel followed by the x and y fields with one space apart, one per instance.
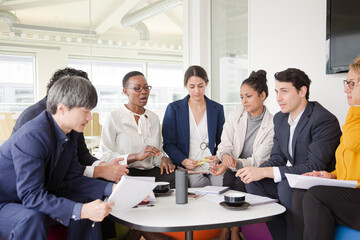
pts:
pixel 151 194
pixel 129 192
pixel 306 182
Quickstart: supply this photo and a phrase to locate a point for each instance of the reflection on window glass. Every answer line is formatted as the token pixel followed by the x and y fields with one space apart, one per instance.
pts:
pixel 167 83
pixel 16 81
pixel 107 78
pixel 229 52
pixel 166 80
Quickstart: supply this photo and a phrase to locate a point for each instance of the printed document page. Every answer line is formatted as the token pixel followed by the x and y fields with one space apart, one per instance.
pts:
pixel 306 182
pixel 130 191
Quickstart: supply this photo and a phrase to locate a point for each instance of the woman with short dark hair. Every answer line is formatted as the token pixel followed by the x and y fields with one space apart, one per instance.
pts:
pixel 133 133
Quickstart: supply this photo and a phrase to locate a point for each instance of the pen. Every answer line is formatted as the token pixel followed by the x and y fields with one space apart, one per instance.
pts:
pixel 93 224
pixel 148 205
pixel 232 169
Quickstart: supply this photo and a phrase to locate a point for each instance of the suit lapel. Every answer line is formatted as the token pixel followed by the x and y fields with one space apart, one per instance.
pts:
pixel 285 135
pixel 211 122
pixel 184 121
pixel 301 124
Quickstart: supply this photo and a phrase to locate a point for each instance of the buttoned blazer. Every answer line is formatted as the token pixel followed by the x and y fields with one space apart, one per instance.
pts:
pixel 176 128
pixel 39 164
pixel 233 137
pixel 315 140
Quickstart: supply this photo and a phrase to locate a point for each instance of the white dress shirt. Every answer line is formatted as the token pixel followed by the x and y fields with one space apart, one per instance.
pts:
pixel 293 124
pixel 199 134
pixel 121 136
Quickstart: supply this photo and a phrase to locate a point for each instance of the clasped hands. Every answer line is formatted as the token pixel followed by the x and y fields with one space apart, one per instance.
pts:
pixel 165 165
pixel 191 164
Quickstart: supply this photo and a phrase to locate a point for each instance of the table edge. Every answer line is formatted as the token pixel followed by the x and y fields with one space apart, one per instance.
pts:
pixel 195 227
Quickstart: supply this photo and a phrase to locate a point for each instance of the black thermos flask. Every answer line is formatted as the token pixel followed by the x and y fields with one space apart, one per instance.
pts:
pixel 181 186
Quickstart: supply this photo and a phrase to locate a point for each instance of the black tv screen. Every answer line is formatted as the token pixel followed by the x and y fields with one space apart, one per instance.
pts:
pixel 342 34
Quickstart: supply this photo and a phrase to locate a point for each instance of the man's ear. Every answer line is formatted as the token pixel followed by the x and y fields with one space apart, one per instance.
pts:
pixel 303 90
pixel 60 108
pixel 125 91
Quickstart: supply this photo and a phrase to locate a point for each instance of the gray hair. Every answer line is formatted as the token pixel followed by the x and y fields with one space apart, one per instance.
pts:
pixel 72 91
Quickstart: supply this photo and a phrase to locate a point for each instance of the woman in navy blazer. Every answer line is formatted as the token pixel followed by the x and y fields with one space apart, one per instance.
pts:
pixel 192 130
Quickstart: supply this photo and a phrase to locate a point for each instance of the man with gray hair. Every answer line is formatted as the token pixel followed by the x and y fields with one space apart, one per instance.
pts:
pixel 91 166
pixel 40 177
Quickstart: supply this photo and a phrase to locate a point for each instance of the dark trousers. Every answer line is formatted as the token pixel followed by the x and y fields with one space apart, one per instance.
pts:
pixel 317 210
pixel 235 183
pixel 18 222
pixel 154 172
pixel 280 228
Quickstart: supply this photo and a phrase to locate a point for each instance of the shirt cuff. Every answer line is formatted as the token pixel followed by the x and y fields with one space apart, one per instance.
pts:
pixel 125 157
pixel 222 154
pixel 277 174
pixel 89 171
pixel 96 163
pixel 108 189
pixel 76 213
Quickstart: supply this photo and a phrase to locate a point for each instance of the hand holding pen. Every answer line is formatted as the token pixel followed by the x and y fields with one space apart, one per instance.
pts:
pixel 229 161
pixel 96 210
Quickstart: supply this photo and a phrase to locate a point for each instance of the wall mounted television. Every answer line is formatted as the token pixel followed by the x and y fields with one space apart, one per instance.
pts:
pixel 342 34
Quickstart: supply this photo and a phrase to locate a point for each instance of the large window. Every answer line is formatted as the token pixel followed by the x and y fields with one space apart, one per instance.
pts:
pixel 107 75
pixel 229 50
pixel 17 81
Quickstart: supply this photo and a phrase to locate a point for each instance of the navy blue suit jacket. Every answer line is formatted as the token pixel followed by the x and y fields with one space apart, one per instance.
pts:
pixel 176 128
pixel 315 140
pixel 84 156
pixel 39 165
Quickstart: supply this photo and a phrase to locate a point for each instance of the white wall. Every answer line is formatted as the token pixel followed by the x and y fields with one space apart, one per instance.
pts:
pixel 291 33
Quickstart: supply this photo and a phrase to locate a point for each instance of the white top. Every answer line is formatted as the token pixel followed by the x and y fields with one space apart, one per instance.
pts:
pixel 233 137
pixel 293 124
pixel 121 136
pixel 198 134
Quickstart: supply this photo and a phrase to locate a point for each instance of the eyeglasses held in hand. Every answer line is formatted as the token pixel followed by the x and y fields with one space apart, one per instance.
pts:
pixel 138 89
pixel 350 84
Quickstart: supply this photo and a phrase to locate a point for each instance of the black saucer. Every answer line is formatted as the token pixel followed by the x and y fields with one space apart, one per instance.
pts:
pixel 242 206
pixel 160 194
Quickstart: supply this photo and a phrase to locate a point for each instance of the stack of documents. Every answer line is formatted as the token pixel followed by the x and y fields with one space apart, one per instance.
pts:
pixel 306 182
pixel 211 190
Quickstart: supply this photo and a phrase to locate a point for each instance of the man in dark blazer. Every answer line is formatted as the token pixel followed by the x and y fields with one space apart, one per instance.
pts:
pixel 306 137
pixel 90 165
pixel 40 176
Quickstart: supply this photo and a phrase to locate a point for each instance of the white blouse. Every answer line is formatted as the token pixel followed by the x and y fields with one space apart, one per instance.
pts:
pixel 121 136
pixel 199 134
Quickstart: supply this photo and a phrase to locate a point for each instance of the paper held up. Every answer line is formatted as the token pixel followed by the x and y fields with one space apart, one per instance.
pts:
pixel 306 182
pixel 130 191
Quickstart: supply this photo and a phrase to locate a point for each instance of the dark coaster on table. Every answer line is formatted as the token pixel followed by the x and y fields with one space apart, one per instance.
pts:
pixel 242 206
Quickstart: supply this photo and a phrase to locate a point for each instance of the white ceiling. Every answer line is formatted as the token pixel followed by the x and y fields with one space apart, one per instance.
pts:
pixel 102 16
